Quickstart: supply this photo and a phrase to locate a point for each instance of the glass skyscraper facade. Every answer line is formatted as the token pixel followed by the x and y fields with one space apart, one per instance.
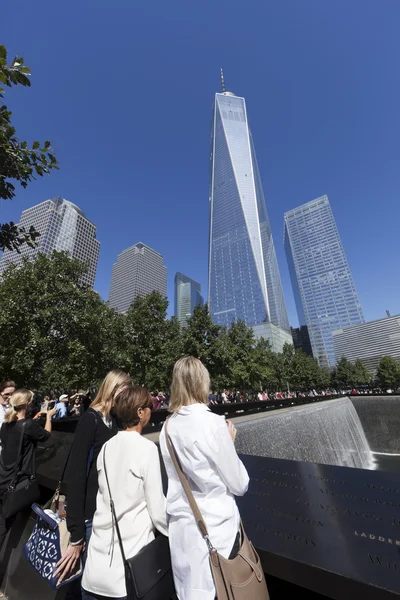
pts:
pixel 62 227
pixel 244 280
pixel 139 270
pixel 323 287
pixel 187 297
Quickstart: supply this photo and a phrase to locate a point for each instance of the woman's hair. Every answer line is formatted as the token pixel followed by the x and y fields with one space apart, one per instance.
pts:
pixel 20 400
pixel 190 383
pixel 114 381
pixel 7 384
pixel 128 402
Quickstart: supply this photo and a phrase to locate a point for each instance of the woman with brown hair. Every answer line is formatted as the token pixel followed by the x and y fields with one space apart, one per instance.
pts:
pixel 96 426
pixel 16 425
pixel 134 479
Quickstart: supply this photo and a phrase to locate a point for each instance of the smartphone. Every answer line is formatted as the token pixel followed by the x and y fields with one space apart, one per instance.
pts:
pixel 51 405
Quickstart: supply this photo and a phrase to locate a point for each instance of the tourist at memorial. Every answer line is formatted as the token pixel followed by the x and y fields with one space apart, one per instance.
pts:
pixel 96 426
pixel 76 408
pixel 134 478
pixel 7 388
pixel 61 407
pixel 18 437
pixel 204 444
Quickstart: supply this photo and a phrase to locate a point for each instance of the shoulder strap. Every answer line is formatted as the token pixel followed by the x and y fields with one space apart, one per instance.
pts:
pixel 189 495
pixel 113 513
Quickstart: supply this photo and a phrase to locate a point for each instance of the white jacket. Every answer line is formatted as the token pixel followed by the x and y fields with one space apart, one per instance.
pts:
pixel 215 474
pixel 133 468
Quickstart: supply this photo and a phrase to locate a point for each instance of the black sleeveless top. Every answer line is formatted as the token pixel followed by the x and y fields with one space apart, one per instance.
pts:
pixel 10 437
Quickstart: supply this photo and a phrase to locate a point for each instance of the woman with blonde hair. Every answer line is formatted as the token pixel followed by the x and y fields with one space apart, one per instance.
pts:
pixel 204 443
pixel 16 425
pixel 96 426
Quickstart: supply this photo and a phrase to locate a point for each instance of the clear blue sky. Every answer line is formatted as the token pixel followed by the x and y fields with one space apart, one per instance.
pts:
pixel 124 91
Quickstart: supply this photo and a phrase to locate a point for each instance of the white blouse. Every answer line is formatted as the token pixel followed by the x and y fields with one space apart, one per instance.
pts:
pixel 133 468
pixel 215 474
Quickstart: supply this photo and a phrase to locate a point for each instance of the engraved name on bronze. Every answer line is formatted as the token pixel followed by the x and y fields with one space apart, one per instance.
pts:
pixel 377 538
pixel 289 516
pixel 288 536
pixel 344 511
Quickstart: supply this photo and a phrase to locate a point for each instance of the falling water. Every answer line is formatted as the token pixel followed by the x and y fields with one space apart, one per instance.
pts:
pixel 329 433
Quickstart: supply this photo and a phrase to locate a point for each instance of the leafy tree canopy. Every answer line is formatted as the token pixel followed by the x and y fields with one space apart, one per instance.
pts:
pixel 19 161
pixel 56 332
pixel 388 373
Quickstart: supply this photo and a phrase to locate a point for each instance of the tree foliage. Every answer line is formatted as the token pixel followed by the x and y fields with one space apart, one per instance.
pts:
pixel 347 374
pixel 19 161
pixel 388 373
pixel 56 332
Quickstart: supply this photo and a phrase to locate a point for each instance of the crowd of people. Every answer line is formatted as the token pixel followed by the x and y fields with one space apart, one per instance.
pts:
pixel 109 454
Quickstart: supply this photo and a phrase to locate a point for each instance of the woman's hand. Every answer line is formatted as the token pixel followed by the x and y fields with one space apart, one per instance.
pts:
pixel 232 430
pixel 68 562
pixel 51 413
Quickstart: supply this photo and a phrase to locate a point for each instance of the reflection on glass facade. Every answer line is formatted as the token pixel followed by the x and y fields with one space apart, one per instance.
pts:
pixel 244 280
pixel 324 291
pixel 62 227
pixel 187 297
pixel 139 270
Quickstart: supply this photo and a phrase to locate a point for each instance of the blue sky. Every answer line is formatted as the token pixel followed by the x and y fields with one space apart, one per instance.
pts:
pixel 124 91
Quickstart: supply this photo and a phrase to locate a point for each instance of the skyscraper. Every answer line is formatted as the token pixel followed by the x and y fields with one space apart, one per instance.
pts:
pixel 62 226
pixel 138 271
pixel 244 280
pixel 187 297
pixel 324 291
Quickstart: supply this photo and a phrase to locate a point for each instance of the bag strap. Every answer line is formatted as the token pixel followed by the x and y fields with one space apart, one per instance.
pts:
pixel 201 524
pixel 54 500
pixel 113 513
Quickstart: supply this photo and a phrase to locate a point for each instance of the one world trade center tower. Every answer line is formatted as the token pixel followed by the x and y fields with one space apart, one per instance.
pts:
pixel 243 274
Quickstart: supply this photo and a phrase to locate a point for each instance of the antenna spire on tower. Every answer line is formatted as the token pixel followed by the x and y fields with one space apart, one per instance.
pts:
pixel 223 81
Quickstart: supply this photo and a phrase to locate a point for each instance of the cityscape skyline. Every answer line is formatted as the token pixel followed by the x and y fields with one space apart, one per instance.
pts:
pixel 323 122
pixel 187 297
pixel 243 274
pixel 63 227
pixel 138 271
pixel 323 286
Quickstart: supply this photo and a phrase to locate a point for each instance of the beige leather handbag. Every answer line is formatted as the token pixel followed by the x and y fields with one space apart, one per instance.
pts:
pixel 240 578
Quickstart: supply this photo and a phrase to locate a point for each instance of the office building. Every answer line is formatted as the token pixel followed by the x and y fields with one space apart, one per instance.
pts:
pixel 324 291
pixel 138 271
pixel 369 341
pixel 301 339
pixel 276 336
pixel 244 280
pixel 187 297
pixel 62 227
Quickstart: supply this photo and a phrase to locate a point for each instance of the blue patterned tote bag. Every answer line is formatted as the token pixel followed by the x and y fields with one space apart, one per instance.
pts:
pixel 46 545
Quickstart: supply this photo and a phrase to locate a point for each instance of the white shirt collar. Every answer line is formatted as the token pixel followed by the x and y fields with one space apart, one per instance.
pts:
pixel 186 410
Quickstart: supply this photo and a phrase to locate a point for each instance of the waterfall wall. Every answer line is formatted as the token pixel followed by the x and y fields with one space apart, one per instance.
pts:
pixel 329 433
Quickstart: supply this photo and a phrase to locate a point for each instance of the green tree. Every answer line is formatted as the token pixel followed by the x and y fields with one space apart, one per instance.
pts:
pixel 19 162
pixel 55 332
pixel 304 372
pixel 207 341
pixel 323 377
pixel 388 373
pixel 343 376
pixel 361 374
pixel 241 367
pixel 263 365
pixel 147 335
